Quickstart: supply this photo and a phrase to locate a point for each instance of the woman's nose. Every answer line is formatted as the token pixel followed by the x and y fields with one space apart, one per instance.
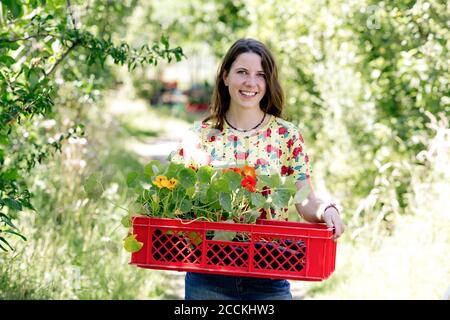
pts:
pixel 251 80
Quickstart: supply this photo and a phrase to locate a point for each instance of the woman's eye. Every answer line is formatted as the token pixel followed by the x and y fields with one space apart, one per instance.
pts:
pixel 262 75
pixel 242 72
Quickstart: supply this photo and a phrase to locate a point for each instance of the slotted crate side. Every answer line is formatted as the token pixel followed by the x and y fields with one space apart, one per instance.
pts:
pixel 278 254
pixel 178 246
pixel 235 258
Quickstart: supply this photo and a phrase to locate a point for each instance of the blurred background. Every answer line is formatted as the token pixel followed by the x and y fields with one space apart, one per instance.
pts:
pixel 99 86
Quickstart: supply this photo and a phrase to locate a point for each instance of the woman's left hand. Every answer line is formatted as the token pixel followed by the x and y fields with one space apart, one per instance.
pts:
pixel 332 219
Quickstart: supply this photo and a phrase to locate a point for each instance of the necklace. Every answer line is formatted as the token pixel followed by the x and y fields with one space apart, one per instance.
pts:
pixel 246 130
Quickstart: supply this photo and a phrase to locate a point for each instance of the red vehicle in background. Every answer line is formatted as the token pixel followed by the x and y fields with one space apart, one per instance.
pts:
pixel 199 97
pixel 195 99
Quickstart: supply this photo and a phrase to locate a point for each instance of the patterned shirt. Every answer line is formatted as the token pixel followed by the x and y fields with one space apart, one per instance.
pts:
pixel 277 146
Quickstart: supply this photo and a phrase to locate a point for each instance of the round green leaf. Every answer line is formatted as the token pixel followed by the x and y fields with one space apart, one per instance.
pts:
pixel 258 200
pixel 233 179
pixel 204 174
pixel 220 185
pixel 131 244
pixel 280 198
pixel 179 193
pixel 132 179
pixel 187 177
pixel 185 205
pixel 225 201
pixel 126 221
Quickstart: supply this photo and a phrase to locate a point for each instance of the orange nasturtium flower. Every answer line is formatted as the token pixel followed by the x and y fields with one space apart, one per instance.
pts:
pixel 249 182
pixel 249 171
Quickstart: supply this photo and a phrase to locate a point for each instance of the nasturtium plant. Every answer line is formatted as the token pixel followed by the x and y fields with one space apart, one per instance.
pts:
pixel 236 194
pixel 233 195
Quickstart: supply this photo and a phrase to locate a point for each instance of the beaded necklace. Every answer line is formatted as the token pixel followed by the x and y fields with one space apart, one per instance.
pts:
pixel 246 130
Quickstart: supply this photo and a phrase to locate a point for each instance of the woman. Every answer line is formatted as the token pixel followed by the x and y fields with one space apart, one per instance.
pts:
pixel 245 127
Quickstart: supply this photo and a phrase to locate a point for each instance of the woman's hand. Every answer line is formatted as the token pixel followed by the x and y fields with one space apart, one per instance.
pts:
pixel 332 219
pixel 314 210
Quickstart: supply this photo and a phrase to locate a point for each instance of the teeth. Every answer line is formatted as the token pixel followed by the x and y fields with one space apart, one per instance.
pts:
pixel 247 93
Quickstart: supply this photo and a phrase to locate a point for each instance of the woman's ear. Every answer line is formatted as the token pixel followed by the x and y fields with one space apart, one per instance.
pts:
pixel 225 78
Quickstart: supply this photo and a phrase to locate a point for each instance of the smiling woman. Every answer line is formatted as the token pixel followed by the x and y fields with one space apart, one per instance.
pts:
pixel 245 128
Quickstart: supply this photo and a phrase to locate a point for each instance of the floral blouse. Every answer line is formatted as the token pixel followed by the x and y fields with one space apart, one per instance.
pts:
pixel 277 146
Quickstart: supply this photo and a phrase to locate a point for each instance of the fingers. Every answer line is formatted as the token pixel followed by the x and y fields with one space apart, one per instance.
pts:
pixel 334 220
pixel 339 228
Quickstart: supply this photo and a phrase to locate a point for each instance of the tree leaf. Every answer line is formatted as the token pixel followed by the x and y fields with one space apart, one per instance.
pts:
pixel 12 204
pixel 16 233
pixel 7 61
pixel 33 78
pixel 6 242
pixel 15 7
pixel 7 220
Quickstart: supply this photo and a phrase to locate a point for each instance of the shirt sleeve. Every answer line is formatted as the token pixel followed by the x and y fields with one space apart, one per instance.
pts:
pixel 299 165
pixel 189 151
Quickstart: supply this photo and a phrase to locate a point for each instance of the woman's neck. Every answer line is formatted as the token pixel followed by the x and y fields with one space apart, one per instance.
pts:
pixel 244 119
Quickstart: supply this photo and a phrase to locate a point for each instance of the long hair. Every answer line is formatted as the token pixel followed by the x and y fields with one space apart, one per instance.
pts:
pixel 273 100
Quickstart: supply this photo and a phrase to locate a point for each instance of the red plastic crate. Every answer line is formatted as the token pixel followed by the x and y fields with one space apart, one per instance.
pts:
pixel 273 249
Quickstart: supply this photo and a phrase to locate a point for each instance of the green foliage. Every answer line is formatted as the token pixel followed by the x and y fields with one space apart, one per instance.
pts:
pixel 35 39
pixel 361 79
pixel 170 190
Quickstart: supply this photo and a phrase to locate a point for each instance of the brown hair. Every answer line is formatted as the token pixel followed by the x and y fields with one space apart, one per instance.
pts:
pixel 271 103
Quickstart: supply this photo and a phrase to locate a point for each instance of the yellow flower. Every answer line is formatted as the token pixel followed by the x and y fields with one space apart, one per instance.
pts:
pixel 161 181
pixel 172 183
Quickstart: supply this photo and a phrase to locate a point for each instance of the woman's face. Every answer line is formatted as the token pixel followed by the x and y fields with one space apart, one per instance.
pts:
pixel 246 81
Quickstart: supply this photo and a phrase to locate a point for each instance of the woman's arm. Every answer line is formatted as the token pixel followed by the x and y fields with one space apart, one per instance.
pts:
pixel 312 209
